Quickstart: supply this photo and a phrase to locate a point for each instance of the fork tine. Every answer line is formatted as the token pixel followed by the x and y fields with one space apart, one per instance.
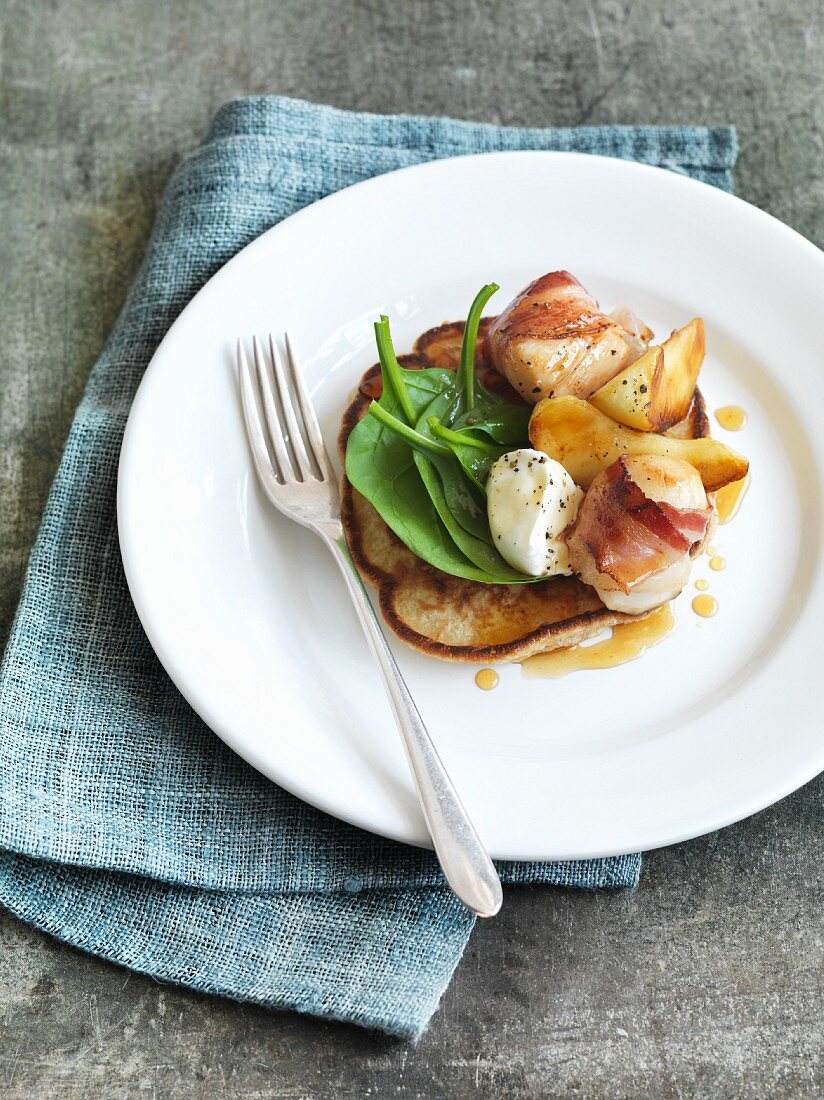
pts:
pixel 295 437
pixel 310 420
pixel 271 413
pixel 254 429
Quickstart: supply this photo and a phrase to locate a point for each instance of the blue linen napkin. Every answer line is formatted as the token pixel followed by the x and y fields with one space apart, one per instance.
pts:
pixel 126 827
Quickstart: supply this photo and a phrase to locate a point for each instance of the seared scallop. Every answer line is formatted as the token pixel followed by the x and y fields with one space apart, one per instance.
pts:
pixel 636 530
pixel 553 340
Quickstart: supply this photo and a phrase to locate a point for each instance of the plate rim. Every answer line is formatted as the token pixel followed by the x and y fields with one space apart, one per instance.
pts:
pixel 128 449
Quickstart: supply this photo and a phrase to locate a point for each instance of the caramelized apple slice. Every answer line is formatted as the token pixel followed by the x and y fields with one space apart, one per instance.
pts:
pixel 654 392
pixel 628 397
pixel 684 354
pixel 587 441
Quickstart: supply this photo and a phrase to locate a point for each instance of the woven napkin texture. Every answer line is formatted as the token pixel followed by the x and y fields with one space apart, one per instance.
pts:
pixel 126 827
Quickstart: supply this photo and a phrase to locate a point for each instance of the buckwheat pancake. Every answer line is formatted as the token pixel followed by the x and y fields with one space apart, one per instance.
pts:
pixel 446 616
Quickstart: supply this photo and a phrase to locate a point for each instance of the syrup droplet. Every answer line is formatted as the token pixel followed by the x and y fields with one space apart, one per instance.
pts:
pixel 487 679
pixel 728 500
pixel 705 606
pixel 702 585
pixel 731 417
pixel 717 563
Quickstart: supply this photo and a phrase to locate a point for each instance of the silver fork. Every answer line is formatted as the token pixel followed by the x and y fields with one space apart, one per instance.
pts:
pixel 297 477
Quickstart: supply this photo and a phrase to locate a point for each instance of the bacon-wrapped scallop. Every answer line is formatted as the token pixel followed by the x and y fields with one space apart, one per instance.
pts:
pixel 640 523
pixel 553 340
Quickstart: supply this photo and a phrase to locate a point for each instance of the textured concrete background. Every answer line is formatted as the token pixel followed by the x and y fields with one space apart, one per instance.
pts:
pixel 705 982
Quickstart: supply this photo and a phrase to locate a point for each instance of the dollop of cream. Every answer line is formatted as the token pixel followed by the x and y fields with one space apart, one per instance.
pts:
pixel 531 500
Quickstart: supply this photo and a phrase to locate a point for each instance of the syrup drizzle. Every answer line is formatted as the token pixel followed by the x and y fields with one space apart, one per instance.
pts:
pixel 628 641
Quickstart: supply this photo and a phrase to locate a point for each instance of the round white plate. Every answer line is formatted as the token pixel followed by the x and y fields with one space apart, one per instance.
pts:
pixel 247 613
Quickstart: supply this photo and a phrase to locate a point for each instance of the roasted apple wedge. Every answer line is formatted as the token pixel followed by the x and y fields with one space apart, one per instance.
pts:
pixel 628 397
pixel 684 354
pixel 587 441
pixel 655 392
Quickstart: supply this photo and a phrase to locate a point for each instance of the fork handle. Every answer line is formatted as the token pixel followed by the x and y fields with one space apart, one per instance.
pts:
pixel 464 860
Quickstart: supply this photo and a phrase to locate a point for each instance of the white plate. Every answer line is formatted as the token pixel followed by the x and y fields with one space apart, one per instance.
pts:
pixel 246 611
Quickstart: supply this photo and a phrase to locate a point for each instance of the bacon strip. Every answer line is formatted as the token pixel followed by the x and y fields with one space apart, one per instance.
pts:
pixel 691 523
pixel 626 535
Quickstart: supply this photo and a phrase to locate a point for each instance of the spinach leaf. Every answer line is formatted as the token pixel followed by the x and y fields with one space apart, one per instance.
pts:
pixel 380 464
pixel 475 455
pixel 463 498
pixel 469 405
pixel 471 392
pixel 499 419
pixel 445 482
pixel 421 458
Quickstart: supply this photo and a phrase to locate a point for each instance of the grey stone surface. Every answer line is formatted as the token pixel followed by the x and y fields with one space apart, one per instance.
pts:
pixel 704 982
